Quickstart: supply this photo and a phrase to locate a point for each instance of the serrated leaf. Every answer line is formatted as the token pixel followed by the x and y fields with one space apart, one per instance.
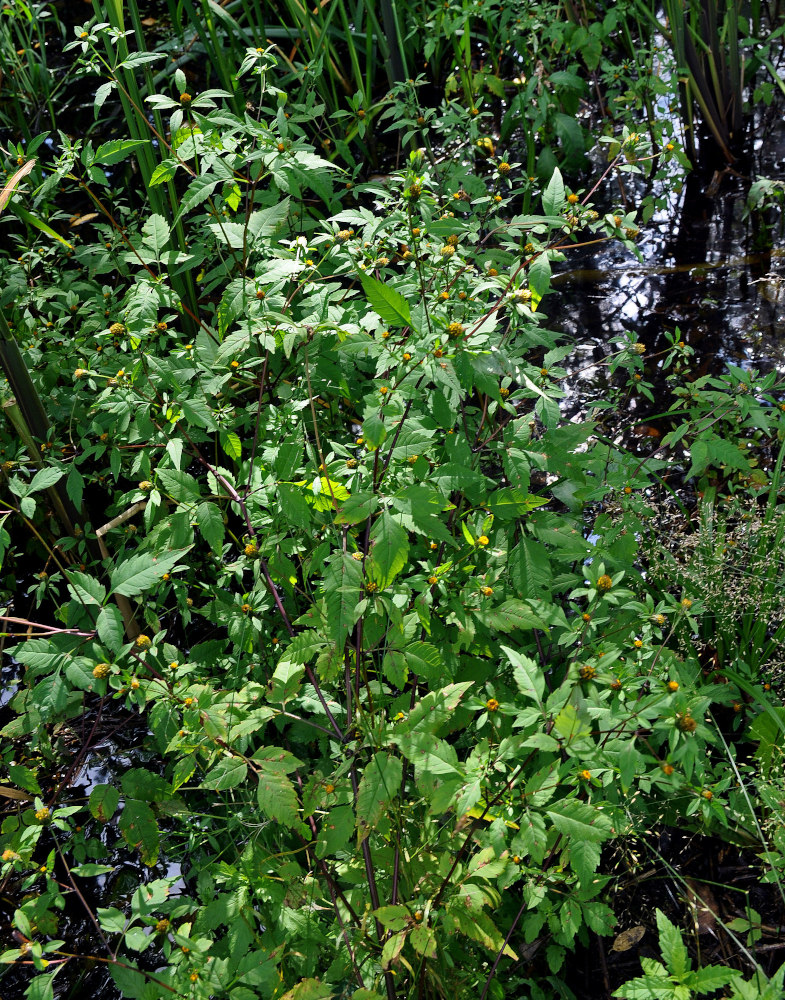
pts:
pixel 673 949
pixel 111 628
pixel 423 940
pixel 584 859
pixel 140 830
pixel 649 987
pixel 24 778
pixel 164 172
pixel 50 695
pixel 511 615
pixel 711 978
pixel 357 508
pixel 116 150
pixel 430 756
pixel 232 445
pixel 341 586
pixel 85 589
pixel 389 552
pixel 553 196
pixel 288 675
pixel 509 504
pixel 580 820
pixel 336 830
pixel 598 917
pixel 374 431
pixel 227 773
pixel 429 714
pixel 309 989
pixel 539 276
pixel 528 675
pixel 393 918
pixel 89 870
pixel 45 478
pixel 156 234
pixel 425 660
pixel 380 783
pixel 143 571
pixel 211 525
pixel 181 486
pixel 276 797
pixel 388 304
pixel 183 770
pixel 100 96
pixel 103 802
pixel 74 487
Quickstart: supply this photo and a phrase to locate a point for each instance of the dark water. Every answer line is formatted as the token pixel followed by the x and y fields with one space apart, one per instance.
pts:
pixel 707 270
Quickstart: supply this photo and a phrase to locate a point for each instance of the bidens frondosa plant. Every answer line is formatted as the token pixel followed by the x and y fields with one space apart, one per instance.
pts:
pixel 378 605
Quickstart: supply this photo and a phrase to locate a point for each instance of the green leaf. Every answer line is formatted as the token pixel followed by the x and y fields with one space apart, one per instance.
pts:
pixel 553 196
pixel 584 859
pixel 89 870
pixel 510 504
pixel 528 675
pixel 431 756
pixel 41 987
pixel 423 940
pixel 389 552
pixel 341 586
pixel 276 797
pixel 309 989
pixel 539 279
pixel 425 660
pixel 140 830
pixel 336 830
pixel 288 675
pixel 711 978
pixel 51 696
pixel 143 571
pixel 530 569
pixel 227 773
pixel 266 221
pixel 391 307
pixel 380 783
pixel 74 487
pixel 598 917
pixel 147 786
pixel 156 234
pixel 374 431
pixel 357 508
pixel 85 589
pixel 211 525
pixel 181 486
pixel 511 615
pixel 24 778
pixel 580 820
pixel 164 172
pixel 429 714
pixel 674 951
pixel 45 478
pixel 393 918
pixel 112 152
pixel 649 987
pixel 110 628
pixel 103 802
pixel 231 444
pixel 183 770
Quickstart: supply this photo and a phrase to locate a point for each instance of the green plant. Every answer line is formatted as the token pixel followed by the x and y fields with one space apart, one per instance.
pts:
pixel 385 629
pixel 675 978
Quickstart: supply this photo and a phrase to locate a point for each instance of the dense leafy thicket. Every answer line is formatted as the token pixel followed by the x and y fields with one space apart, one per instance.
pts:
pixel 303 499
